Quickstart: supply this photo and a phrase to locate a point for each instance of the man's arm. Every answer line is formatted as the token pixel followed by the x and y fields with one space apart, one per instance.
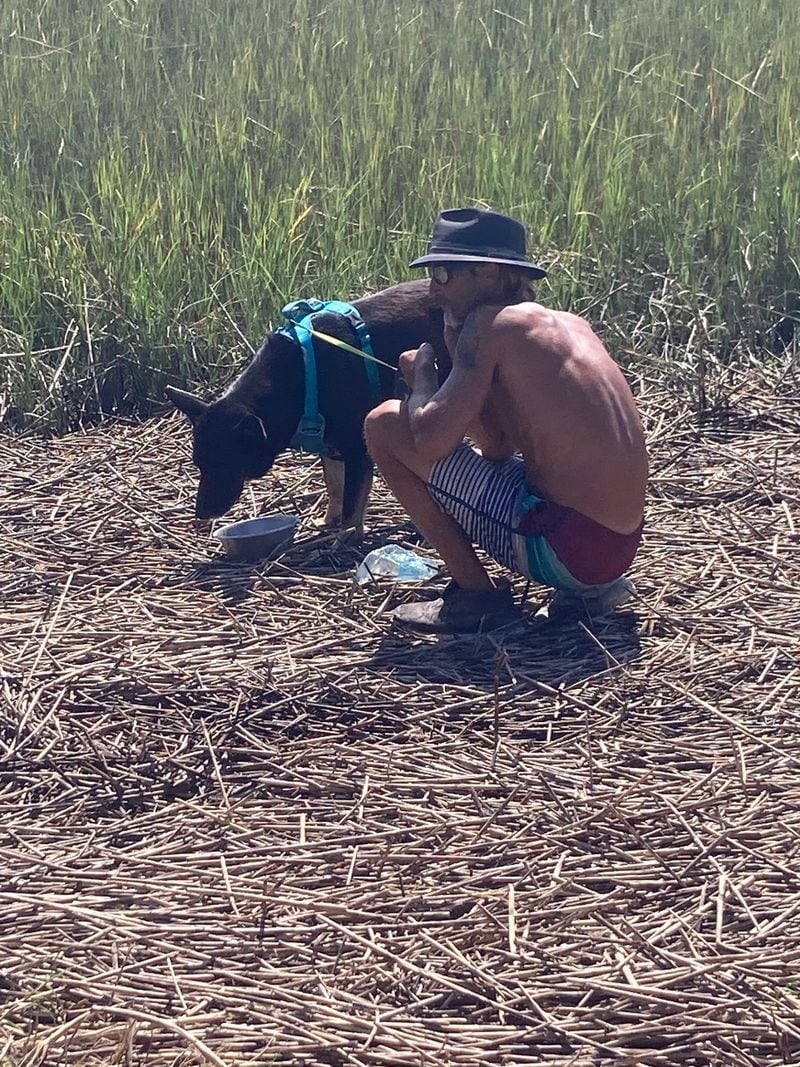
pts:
pixel 440 417
pixel 486 431
pixel 452 328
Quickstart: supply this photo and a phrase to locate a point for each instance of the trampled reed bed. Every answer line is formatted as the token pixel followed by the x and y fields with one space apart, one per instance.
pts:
pixel 170 173
pixel 243 821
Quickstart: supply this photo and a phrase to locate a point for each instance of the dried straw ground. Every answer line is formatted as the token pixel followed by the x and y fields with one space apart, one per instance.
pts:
pixel 245 822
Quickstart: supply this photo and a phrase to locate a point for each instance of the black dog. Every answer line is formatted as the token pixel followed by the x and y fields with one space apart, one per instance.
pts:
pixel 239 435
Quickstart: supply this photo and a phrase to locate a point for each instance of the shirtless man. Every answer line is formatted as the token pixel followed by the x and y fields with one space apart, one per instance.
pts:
pixel 555 489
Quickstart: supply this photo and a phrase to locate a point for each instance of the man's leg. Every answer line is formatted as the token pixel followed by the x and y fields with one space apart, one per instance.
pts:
pixel 391 445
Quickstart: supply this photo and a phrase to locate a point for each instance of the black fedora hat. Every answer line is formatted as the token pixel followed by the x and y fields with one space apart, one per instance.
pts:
pixel 473 235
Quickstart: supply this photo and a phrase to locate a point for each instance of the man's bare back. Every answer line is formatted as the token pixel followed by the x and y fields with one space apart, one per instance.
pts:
pixel 558 397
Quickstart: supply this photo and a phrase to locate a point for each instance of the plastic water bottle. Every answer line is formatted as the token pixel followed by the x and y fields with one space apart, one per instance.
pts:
pixel 394 561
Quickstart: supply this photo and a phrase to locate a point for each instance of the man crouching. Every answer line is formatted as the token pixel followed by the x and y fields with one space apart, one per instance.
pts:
pixel 555 490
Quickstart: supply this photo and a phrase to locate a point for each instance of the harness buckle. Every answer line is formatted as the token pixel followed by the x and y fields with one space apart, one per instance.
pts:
pixel 310 435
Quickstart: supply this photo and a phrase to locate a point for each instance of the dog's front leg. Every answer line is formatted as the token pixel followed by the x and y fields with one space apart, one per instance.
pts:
pixel 333 471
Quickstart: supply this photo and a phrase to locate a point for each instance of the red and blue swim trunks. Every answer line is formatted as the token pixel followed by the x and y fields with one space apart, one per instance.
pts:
pixel 547 542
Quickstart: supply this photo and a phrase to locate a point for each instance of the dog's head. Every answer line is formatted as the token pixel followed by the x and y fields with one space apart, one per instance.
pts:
pixel 230 444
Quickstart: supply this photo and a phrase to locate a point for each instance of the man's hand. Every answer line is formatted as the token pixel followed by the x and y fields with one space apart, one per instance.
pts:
pixel 418 367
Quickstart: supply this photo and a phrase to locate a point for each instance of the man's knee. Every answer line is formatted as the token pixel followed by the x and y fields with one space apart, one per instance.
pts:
pixel 381 427
pixel 389 440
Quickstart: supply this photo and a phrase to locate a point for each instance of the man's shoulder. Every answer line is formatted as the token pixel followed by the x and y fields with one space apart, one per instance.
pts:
pixel 515 325
pixel 499 316
pixel 526 315
pixel 529 326
pixel 544 326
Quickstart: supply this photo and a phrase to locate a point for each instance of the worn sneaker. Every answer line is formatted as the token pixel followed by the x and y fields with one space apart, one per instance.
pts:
pixel 596 601
pixel 461 611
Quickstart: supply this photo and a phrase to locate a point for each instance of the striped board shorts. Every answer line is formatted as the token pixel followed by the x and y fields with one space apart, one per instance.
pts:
pixel 496 508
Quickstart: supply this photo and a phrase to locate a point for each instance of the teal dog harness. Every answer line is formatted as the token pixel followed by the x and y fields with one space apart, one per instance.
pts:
pixel 300 315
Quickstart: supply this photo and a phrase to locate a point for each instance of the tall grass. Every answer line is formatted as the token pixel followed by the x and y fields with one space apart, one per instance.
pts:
pixel 171 171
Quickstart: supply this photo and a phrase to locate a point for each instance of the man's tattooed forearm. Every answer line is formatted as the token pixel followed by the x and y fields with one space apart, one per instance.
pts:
pixel 467 347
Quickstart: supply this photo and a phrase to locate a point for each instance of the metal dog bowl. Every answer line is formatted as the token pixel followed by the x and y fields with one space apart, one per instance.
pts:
pixel 255 538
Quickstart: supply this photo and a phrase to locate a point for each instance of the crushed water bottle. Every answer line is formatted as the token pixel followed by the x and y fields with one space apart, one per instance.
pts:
pixel 394 561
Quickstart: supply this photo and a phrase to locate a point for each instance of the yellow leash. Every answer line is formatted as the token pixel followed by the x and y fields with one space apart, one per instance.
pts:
pixel 347 347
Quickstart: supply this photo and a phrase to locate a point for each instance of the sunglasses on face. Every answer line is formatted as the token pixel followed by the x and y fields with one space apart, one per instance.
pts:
pixel 443 272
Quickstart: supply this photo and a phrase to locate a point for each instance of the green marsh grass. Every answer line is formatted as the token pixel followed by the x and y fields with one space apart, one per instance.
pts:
pixel 172 172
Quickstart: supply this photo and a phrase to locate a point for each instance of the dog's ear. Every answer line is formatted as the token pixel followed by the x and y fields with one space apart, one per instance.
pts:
pixel 251 427
pixel 191 405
